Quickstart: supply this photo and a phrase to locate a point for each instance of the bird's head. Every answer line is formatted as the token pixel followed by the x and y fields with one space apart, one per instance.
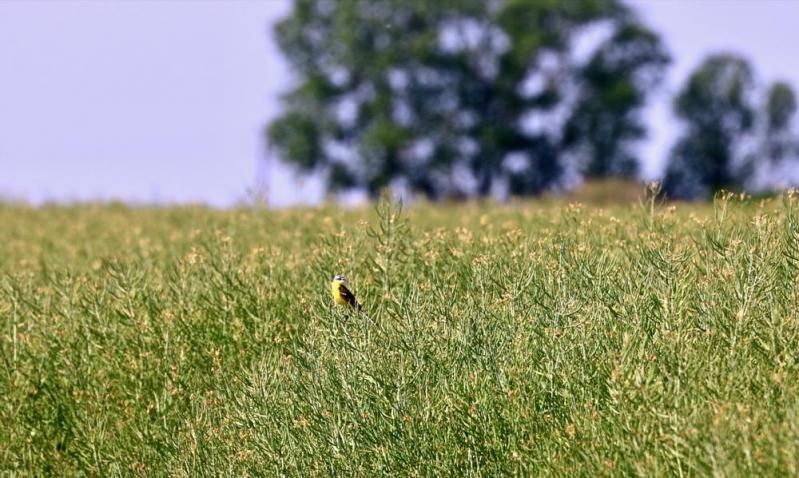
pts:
pixel 339 278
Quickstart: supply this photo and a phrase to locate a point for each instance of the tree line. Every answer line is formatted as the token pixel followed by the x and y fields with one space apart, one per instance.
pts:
pixel 470 98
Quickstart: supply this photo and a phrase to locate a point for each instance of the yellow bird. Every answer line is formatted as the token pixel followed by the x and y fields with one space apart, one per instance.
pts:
pixel 342 295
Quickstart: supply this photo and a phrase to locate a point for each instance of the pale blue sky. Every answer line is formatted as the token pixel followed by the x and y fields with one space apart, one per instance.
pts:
pixel 166 101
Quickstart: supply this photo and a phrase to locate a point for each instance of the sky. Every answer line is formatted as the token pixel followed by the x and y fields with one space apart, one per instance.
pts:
pixel 166 101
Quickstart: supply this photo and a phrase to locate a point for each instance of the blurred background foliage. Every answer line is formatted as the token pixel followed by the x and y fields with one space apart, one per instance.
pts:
pixel 471 98
pixel 728 136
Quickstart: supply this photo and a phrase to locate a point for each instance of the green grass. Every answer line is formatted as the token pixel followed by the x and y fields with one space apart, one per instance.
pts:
pixel 522 339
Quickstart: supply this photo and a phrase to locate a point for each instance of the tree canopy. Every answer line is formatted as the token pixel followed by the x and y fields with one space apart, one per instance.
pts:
pixel 780 142
pixel 728 137
pixel 613 87
pixel 464 97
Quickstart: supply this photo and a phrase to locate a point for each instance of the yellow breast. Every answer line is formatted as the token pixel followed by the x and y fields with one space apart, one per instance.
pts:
pixel 334 289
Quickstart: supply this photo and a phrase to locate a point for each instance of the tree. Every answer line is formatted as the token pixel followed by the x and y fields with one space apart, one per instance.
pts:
pixel 730 141
pixel 716 106
pixel 779 141
pixel 454 97
pixel 613 86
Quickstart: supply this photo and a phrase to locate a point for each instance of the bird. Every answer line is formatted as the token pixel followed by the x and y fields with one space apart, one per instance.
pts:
pixel 342 295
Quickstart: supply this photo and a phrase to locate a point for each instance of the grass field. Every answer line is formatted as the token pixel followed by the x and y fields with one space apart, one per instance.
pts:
pixel 522 339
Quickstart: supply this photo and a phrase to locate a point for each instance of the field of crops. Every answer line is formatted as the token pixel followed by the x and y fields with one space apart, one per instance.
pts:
pixel 539 338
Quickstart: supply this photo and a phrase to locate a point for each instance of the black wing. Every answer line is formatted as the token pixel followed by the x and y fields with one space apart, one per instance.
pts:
pixel 348 296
